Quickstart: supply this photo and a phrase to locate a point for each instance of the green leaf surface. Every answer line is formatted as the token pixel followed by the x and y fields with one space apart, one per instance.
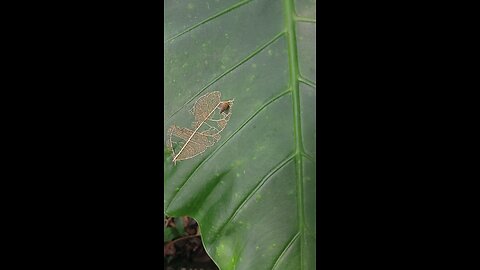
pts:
pixel 253 192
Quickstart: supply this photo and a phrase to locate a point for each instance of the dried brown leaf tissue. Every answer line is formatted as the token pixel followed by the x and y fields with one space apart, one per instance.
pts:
pixel 211 117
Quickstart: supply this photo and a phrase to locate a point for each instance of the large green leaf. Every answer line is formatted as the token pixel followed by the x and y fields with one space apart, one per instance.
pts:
pixel 253 192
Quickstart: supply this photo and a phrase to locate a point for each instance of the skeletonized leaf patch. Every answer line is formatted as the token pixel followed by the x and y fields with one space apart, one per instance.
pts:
pixel 211 117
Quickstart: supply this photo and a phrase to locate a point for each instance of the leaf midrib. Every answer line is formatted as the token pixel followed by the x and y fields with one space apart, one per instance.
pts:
pixel 294 85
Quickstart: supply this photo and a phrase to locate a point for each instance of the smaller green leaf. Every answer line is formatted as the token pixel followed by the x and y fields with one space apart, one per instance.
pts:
pixel 180 226
pixel 169 234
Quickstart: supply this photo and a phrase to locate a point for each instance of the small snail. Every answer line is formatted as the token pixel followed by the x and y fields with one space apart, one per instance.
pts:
pixel 224 106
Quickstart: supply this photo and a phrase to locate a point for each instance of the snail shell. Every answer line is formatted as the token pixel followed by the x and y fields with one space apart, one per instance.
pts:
pixel 224 106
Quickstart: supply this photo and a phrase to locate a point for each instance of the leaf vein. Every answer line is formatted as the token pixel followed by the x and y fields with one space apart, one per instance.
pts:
pixel 295 237
pixel 233 7
pixel 260 184
pixel 305 19
pixel 308 156
pixel 307 82
pixel 250 56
